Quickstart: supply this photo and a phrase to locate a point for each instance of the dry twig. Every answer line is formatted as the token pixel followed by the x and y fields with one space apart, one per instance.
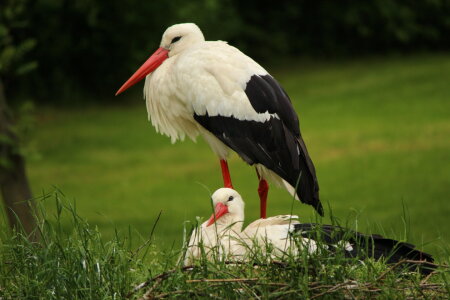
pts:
pixel 223 280
pixel 161 276
pixel 406 261
pixel 332 289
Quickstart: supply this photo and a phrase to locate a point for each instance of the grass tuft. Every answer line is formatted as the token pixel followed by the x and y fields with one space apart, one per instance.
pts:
pixel 72 263
pixel 75 262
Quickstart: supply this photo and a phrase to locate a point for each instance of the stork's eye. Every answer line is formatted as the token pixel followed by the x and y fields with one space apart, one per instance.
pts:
pixel 175 39
pixel 230 198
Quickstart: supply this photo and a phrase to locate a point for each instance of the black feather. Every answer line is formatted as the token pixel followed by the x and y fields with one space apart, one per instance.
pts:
pixel 271 144
pixel 277 143
pixel 267 95
pixel 368 245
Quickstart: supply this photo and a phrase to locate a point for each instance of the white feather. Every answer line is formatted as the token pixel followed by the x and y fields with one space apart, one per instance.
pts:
pixel 226 239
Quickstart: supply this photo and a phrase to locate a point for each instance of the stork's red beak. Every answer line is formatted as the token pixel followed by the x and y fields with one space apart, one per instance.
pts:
pixel 219 211
pixel 149 66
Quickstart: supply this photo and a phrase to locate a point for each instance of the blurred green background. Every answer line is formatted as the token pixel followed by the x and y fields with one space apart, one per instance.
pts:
pixel 369 79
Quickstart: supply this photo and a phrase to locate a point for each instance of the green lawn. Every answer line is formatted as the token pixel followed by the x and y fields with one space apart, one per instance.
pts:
pixel 378 131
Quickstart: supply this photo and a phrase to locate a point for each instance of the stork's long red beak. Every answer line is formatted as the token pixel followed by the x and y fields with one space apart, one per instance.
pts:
pixel 149 66
pixel 219 211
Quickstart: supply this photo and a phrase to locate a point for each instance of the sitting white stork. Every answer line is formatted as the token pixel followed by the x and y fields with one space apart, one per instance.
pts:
pixel 284 234
pixel 227 240
pixel 210 88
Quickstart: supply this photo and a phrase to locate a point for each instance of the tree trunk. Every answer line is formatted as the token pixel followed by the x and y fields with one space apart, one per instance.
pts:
pixel 14 186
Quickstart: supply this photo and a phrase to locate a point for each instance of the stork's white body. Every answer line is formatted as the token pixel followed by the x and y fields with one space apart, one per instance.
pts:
pixel 221 241
pixel 208 77
pixel 226 240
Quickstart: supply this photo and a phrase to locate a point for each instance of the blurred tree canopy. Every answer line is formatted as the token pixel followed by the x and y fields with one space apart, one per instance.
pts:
pixel 88 48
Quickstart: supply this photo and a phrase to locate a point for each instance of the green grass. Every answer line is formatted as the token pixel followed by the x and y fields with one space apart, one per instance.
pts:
pixel 378 131
pixel 73 265
pixel 77 263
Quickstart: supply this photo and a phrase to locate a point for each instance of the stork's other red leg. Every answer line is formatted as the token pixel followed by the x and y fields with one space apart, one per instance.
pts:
pixel 226 174
pixel 263 190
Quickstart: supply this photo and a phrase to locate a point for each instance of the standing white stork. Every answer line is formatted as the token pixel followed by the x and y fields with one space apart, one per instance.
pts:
pixel 276 234
pixel 210 88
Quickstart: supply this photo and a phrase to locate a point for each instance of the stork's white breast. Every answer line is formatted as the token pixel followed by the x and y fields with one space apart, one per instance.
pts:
pixel 209 77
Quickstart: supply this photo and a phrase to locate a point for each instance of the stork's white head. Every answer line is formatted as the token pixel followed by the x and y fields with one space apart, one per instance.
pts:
pixel 175 39
pixel 179 37
pixel 228 207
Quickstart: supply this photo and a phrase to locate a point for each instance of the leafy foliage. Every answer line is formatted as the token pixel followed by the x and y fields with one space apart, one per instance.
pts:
pixel 91 47
pixel 14 45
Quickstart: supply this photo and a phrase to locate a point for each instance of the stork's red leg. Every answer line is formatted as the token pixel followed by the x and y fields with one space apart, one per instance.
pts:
pixel 263 190
pixel 226 174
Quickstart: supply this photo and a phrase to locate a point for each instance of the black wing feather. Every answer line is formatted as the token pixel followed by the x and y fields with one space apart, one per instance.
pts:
pixel 371 245
pixel 268 143
pixel 267 95
pixel 275 143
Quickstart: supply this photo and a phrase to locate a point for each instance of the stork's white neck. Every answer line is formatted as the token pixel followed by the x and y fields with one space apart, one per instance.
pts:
pixel 231 221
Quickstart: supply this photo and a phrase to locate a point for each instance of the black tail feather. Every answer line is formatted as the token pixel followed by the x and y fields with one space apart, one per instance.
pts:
pixel 308 186
pixel 369 245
